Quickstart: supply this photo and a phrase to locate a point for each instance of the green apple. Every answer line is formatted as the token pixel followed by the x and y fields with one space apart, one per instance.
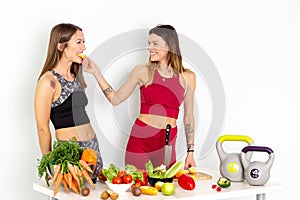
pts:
pixel 168 189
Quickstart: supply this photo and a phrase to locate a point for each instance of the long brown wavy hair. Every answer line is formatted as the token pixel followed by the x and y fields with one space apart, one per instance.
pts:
pixel 170 36
pixel 62 33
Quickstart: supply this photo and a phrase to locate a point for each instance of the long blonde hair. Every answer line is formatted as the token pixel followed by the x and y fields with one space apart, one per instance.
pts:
pixel 170 36
pixel 62 33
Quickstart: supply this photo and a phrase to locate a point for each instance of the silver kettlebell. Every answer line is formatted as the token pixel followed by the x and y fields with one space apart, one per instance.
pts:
pixel 230 163
pixel 257 172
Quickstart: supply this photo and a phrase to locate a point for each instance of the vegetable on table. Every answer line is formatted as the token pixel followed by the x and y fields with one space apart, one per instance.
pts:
pixel 186 182
pixel 224 182
pixel 89 155
pixel 87 177
pixel 161 172
pixel 70 170
pixel 85 165
pixel 58 182
pixel 149 190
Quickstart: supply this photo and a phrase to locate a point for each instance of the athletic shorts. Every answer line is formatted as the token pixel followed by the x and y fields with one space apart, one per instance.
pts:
pixel 147 143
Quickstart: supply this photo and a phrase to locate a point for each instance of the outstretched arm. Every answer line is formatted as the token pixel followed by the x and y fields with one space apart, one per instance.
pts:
pixel 115 97
pixel 190 79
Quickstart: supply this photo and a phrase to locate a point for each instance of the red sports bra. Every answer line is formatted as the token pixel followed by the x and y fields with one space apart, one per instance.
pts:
pixel 163 97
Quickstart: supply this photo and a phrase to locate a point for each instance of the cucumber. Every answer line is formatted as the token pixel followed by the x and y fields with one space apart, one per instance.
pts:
pixel 176 167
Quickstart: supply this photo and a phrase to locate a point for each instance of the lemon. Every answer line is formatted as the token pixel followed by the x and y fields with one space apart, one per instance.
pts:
pixel 192 170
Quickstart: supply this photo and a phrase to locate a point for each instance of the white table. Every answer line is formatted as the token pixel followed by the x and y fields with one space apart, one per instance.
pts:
pixel 203 190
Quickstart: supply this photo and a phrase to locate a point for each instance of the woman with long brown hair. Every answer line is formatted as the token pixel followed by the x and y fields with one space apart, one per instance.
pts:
pixel 60 95
pixel 164 84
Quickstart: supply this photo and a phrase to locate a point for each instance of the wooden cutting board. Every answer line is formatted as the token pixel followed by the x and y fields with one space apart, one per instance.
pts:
pixel 199 176
pixel 202 176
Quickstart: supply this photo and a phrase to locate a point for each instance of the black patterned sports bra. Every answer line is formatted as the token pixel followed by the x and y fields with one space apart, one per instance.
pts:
pixel 67 87
pixel 68 110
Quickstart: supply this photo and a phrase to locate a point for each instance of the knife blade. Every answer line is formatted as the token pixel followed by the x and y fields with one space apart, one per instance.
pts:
pixel 168 147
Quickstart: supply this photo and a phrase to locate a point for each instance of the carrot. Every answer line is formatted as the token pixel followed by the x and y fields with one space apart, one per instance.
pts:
pixel 69 177
pixel 56 172
pixel 72 170
pixel 58 182
pixel 85 166
pixel 65 185
pixel 74 186
pixel 87 177
pixel 77 171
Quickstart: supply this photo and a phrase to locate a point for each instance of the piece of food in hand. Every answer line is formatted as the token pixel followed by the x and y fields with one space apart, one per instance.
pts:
pixel 104 195
pixel 224 182
pixel 81 55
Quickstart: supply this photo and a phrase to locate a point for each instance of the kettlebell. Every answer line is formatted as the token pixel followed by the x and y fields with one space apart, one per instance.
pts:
pixel 257 172
pixel 230 163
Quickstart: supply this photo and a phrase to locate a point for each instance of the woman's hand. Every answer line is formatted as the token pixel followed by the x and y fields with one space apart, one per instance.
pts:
pixel 90 67
pixel 189 161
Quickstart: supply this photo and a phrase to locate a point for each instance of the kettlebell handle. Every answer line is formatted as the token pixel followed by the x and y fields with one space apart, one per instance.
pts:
pixel 244 138
pixel 257 148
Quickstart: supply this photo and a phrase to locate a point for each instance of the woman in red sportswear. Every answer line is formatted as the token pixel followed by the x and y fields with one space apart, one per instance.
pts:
pixel 164 84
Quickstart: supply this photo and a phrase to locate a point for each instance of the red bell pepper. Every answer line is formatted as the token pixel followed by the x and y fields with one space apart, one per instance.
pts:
pixel 142 183
pixel 186 182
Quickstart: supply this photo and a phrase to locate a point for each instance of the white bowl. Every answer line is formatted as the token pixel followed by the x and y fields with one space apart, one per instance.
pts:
pixel 119 188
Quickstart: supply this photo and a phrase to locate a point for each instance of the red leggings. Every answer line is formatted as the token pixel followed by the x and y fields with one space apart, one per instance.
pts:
pixel 147 143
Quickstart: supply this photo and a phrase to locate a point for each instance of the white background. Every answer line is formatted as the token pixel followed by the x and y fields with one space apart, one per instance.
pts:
pixel 255 46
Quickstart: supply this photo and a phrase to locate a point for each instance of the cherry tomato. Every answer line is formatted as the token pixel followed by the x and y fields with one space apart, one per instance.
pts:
pixel 127 178
pixel 117 180
pixel 121 173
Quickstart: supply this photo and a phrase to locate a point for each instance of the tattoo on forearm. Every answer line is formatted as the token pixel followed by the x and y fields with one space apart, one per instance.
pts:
pixel 189 133
pixel 107 91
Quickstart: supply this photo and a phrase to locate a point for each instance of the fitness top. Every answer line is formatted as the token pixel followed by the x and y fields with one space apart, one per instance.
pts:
pixel 68 110
pixel 163 97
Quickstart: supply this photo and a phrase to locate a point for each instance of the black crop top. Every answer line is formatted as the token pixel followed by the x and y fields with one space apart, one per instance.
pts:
pixel 69 108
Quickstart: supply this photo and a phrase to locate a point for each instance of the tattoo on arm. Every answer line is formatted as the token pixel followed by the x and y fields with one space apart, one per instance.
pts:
pixel 107 91
pixel 189 133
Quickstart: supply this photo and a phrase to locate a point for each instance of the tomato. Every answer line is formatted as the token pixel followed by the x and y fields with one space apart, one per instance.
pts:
pixel 117 180
pixel 89 155
pixel 121 173
pixel 186 182
pixel 127 178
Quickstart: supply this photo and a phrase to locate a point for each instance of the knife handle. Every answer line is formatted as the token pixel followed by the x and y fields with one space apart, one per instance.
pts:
pixel 168 129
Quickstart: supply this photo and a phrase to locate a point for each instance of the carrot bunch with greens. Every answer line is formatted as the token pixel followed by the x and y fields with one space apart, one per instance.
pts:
pixel 70 170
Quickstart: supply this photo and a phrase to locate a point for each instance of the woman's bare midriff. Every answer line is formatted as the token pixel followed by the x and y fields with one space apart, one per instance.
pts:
pixel 81 133
pixel 157 121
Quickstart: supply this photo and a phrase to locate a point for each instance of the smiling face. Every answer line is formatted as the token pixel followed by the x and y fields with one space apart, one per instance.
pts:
pixel 74 46
pixel 158 49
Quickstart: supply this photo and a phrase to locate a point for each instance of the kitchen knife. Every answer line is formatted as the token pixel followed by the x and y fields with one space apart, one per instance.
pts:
pixel 168 147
